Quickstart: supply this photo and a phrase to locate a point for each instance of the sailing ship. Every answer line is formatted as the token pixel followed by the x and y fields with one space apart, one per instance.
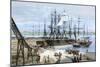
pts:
pixel 75 35
pixel 61 29
pixel 85 40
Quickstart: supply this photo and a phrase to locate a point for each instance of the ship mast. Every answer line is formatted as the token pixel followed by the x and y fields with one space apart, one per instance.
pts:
pixel 75 32
pixel 64 25
pixel 84 30
pixel 51 26
pixel 58 27
pixel 78 25
pixel 45 32
pixel 55 23
pixel 87 31
pixel 39 29
pixel 33 31
pixel 70 30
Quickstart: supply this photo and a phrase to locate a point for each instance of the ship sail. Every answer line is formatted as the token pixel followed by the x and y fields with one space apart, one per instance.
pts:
pixel 64 17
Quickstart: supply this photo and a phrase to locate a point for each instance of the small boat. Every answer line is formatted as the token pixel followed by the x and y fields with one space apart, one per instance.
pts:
pixel 76 45
pixel 72 51
pixel 85 42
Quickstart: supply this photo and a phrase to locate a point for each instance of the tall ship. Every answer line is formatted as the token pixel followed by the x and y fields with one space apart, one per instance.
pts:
pixel 83 38
pixel 63 30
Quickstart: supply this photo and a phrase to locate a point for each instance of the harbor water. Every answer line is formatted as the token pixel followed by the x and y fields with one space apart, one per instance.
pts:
pixel 91 48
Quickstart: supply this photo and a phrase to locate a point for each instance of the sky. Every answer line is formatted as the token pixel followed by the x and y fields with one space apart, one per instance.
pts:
pixel 27 14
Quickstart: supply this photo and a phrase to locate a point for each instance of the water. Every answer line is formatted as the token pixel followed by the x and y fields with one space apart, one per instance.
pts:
pixel 91 48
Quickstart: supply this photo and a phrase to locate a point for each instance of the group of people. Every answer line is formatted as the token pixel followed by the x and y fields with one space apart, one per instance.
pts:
pixel 77 58
pixel 59 57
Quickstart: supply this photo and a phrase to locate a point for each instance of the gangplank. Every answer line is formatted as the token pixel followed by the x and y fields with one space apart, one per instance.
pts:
pixel 21 44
